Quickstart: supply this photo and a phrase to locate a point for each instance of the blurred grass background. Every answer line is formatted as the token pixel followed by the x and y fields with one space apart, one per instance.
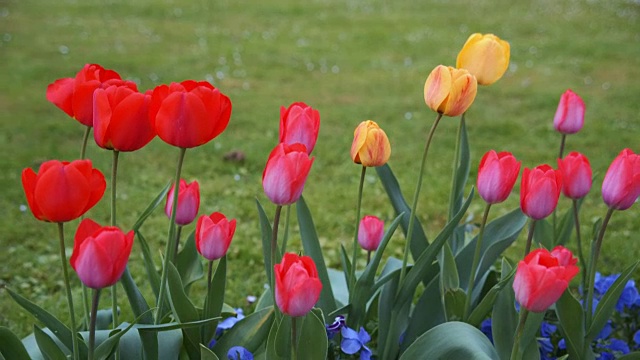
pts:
pixel 352 60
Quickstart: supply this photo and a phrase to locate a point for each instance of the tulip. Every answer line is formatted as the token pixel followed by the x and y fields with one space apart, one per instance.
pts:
pixel 285 173
pixel 63 191
pixel 297 284
pixel 539 191
pixel 188 202
pixel 370 232
pixel 450 91
pixel 74 96
pixel 485 56
pixel 299 123
pixel 370 145
pixel 543 276
pixel 497 174
pixel 621 185
pixel 121 119
pixel 576 175
pixel 213 235
pixel 190 113
pixel 569 117
pixel 100 254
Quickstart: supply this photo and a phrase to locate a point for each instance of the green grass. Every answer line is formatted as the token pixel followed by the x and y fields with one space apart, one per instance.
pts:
pixel 353 60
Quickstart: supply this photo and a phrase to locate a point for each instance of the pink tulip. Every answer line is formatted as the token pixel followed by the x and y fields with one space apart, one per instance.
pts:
pixel 539 191
pixel 188 202
pixel 569 117
pixel 621 185
pixel 543 276
pixel 297 284
pixel 285 173
pixel 299 123
pixel 100 254
pixel 497 174
pixel 370 232
pixel 576 175
pixel 213 235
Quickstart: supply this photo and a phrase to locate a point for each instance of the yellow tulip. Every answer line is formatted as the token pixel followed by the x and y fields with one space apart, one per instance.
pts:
pixel 370 145
pixel 450 91
pixel 485 56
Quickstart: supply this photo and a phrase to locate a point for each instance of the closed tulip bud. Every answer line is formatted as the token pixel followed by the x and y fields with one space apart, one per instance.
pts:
pixel 569 117
pixel 100 254
pixel 286 172
pixel 63 191
pixel 213 235
pixel 188 202
pixel 189 114
pixel 299 123
pixel 297 284
pixel 576 175
pixel 485 56
pixel 450 91
pixel 370 232
pixel 539 191
pixel 621 185
pixel 543 276
pixel 370 145
pixel 497 174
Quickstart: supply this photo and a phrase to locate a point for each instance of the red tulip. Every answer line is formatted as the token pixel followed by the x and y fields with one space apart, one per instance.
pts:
pixel 121 119
pixel 543 276
pixel 75 95
pixel 190 113
pixel 370 232
pixel 62 191
pixel 539 191
pixel 188 202
pixel 213 235
pixel 100 254
pixel 621 185
pixel 497 174
pixel 297 284
pixel 286 172
pixel 569 117
pixel 576 175
pixel 299 123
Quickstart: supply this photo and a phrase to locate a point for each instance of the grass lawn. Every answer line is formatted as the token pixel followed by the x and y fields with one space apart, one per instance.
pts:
pixel 352 60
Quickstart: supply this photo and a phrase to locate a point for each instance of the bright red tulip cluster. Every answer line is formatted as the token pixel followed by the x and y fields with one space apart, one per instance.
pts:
pixel 370 232
pixel 497 174
pixel 213 235
pixel 297 284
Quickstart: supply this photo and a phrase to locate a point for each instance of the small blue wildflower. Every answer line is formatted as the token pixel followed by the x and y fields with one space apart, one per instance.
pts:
pixel 628 297
pixel 546 348
pixel 486 329
pixel 603 283
pixel 618 346
pixel 562 345
pixel 228 323
pixel 239 353
pixel 353 341
pixel 335 326
pixel 546 329
pixel 636 338
pixel 606 331
pixel 212 343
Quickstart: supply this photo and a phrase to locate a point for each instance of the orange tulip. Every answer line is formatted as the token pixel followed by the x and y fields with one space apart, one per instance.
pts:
pixel 370 145
pixel 485 56
pixel 450 91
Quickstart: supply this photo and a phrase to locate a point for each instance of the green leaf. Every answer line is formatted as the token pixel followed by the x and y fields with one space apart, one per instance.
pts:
pixel 339 286
pixel 565 226
pixel 250 332
pixel 528 342
pixel 265 300
pixel 10 345
pixel 159 199
pixel 631 356
pixel 188 262
pixel 312 247
pixel 504 317
pixel 393 317
pixel 312 341
pixel 346 266
pixel 214 300
pixel 454 300
pixel 206 354
pixel 543 234
pixel 571 318
pixel 138 304
pixel 184 311
pixel 481 311
pixel 149 265
pixel 266 231
pixel 452 341
pixel 462 165
pixel 107 347
pixel 449 278
pixel 47 346
pixel 279 340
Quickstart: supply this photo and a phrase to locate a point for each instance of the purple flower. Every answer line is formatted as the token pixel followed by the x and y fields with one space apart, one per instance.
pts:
pixel 546 348
pixel 486 329
pixel 335 326
pixel 636 338
pixel 239 353
pixel 546 329
pixel 353 341
pixel 628 297
pixel 228 323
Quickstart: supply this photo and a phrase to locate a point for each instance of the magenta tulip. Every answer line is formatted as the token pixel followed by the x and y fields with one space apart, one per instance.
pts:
pixel 297 284
pixel 539 191
pixel 213 235
pixel 576 175
pixel 497 174
pixel 299 123
pixel 621 185
pixel 286 172
pixel 188 202
pixel 569 117
pixel 370 232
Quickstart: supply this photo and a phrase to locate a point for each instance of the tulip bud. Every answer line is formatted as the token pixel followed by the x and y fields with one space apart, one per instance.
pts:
pixel 576 175
pixel 569 117
pixel 485 56
pixel 299 123
pixel 370 232
pixel 188 202
pixel 297 284
pixel 213 235
pixel 539 191
pixel 370 145
pixel 450 91
pixel 621 185
pixel 497 174
pixel 286 172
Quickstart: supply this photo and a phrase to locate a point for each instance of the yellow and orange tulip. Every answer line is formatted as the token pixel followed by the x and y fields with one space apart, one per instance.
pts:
pixel 370 145
pixel 484 56
pixel 450 91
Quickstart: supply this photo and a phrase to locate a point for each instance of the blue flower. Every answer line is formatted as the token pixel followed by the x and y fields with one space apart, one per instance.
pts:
pixel 546 329
pixel 628 297
pixel 636 338
pixel 353 341
pixel 546 348
pixel 239 353
pixel 486 329
pixel 562 345
pixel 228 323
pixel 335 326
pixel 606 331
pixel 618 346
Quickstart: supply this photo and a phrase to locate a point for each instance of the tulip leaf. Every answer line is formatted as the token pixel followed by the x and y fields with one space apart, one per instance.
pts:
pixel 544 234
pixel 528 342
pixel 504 317
pixel 454 300
pixel 339 287
pixel 571 318
pixel 108 347
pixel 481 311
pixel 150 267
pixel 250 332
pixel 607 304
pixel 266 231
pixel 394 316
pixel 459 180
pixel 47 346
pixel 312 247
pixel 453 341
pixel 188 263
pixel 312 341
pixel 207 354
pixel 265 300
pixel 449 278
pixel 214 300
pixel 159 199
pixel 10 345
pixel 279 340
pixel 346 266
pixel 138 303
pixel 184 311
pixel 631 356
pixel 565 226
pixel 427 313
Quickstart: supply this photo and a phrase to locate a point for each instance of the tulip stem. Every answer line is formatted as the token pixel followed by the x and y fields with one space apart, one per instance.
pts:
pixel 177 244
pixel 85 140
pixel 85 292
pixel 114 287
pixel 168 253
pixel 294 339
pixel 352 276
pixel 456 162
pixel 515 351
pixel 368 257
pixel 65 273
pixel 562 142
pixel 576 220
pixel 474 264
pixel 532 227
pixel 414 205
pixel 92 325
pixel 285 237
pixel 595 252
pixel 274 249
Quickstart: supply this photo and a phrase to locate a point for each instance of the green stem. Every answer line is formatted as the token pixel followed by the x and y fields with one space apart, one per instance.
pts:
pixel 294 339
pixel 515 351
pixel 562 142
pixel 168 254
pixel 456 161
pixel 85 292
pixel 595 252
pixel 92 326
pixel 368 257
pixel 85 140
pixel 532 227
pixel 285 237
pixel 414 205
pixel 114 287
pixel 583 264
pixel 476 261
pixel 274 248
pixel 67 286
pixel 352 276
pixel 177 244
